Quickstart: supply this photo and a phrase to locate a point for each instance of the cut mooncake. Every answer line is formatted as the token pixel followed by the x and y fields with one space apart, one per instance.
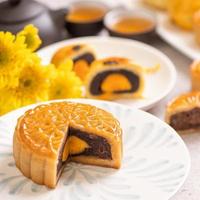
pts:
pixel 81 54
pixel 50 135
pixel 113 78
pixel 160 4
pixel 195 75
pixel 183 113
pixel 196 26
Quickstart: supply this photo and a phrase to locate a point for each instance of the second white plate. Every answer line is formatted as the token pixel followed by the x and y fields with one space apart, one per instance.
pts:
pixel 158 85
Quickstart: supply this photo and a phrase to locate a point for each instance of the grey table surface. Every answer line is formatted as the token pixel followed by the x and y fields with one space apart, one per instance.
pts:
pixel 191 188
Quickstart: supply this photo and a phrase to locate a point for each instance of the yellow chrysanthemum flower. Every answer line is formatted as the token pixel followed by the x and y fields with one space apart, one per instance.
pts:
pixel 33 84
pixel 8 80
pixel 65 83
pixel 12 55
pixel 32 39
pixel 6 48
pixel 23 78
pixel 8 101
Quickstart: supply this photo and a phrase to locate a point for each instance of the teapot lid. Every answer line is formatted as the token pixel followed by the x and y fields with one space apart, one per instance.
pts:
pixel 15 11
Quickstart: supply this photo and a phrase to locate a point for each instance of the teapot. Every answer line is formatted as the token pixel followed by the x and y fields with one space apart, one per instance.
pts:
pixel 15 14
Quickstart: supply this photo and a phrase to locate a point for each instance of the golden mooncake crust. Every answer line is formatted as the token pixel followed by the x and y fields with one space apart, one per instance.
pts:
pixel 82 55
pixel 160 4
pixel 69 52
pixel 195 75
pixel 181 12
pixel 40 133
pixel 196 26
pixel 182 103
pixel 58 116
pixel 117 61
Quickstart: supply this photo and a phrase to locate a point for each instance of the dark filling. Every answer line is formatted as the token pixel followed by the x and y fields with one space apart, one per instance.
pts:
pixel 97 81
pixel 76 47
pixel 88 57
pixel 186 120
pixel 110 62
pixel 98 146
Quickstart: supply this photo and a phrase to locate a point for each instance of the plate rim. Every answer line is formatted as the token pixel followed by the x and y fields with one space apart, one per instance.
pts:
pixel 88 101
pixel 151 49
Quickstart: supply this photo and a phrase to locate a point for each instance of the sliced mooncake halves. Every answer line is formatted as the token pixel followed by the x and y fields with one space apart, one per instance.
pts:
pixel 114 78
pixel 81 54
pixel 50 135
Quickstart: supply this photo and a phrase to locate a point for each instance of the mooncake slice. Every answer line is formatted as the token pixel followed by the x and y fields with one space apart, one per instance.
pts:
pixel 183 113
pixel 49 136
pixel 114 78
pixel 181 12
pixel 160 4
pixel 82 55
pixel 196 26
pixel 195 75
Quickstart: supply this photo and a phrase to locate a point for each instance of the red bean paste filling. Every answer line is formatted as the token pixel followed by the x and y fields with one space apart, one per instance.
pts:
pixel 95 86
pixel 186 120
pixel 76 47
pixel 110 62
pixel 88 57
pixel 98 147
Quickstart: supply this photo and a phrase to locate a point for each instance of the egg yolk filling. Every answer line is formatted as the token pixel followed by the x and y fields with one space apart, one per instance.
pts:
pixel 114 82
pixel 79 143
pixel 82 64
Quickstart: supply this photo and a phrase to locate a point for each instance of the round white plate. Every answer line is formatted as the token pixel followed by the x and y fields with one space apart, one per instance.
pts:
pixel 184 41
pixel 155 163
pixel 158 85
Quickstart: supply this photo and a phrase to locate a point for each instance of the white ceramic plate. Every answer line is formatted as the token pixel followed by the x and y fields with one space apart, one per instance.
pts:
pixel 155 164
pixel 184 41
pixel 158 85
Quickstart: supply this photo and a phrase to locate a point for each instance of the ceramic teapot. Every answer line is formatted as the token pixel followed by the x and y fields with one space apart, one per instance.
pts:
pixel 15 14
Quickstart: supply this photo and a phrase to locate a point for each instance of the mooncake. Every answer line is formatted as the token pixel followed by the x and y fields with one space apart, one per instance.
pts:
pixel 113 78
pixel 81 54
pixel 181 12
pixel 49 136
pixel 160 4
pixel 183 113
pixel 196 26
pixel 195 75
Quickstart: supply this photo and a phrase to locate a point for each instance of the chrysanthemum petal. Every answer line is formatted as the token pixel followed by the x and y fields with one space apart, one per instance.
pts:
pixel 65 83
pixel 32 39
